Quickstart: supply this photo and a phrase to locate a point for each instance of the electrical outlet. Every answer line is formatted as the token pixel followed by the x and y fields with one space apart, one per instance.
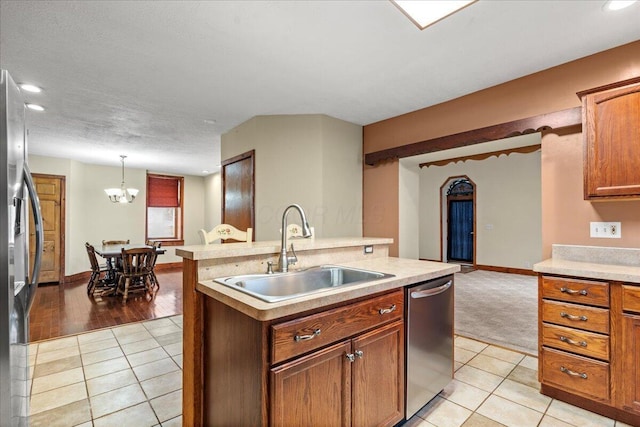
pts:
pixel 606 230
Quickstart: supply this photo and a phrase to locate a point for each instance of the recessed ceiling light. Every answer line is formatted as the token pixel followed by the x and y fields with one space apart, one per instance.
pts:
pixel 30 88
pixel 426 12
pixel 618 4
pixel 205 171
pixel 35 107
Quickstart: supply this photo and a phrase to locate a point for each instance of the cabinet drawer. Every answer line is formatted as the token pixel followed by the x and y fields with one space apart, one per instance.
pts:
pixel 289 339
pixel 631 298
pixel 576 341
pixel 576 374
pixel 575 290
pixel 576 316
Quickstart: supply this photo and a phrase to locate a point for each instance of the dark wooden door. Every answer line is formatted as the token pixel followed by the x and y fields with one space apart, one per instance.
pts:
pixel 314 390
pixel 238 191
pixel 378 377
pixel 460 245
pixel 50 189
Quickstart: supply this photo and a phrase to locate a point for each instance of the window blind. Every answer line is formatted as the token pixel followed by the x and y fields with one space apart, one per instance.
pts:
pixel 163 191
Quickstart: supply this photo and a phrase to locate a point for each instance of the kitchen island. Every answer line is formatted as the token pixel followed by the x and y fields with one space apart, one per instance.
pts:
pixel 589 329
pixel 246 361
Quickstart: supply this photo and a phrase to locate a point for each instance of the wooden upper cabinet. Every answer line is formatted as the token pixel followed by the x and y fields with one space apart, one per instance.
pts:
pixel 611 132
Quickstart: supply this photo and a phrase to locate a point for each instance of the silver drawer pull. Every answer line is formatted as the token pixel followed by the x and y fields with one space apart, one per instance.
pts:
pixel 572 342
pixel 307 337
pixel 359 354
pixel 572 317
pixel 387 310
pixel 350 357
pixel 572 373
pixel 582 292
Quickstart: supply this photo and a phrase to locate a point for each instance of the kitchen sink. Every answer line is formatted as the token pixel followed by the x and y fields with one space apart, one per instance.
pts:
pixel 282 286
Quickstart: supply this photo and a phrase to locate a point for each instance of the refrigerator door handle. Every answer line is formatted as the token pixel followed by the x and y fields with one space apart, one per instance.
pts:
pixel 37 216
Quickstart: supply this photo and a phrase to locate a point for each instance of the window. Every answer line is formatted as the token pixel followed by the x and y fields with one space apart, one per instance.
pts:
pixel 164 208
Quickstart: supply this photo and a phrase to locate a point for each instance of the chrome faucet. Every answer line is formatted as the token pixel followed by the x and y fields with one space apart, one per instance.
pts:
pixel 284 259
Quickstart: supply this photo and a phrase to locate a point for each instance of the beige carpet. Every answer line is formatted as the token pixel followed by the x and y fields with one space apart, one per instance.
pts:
pixel 498 308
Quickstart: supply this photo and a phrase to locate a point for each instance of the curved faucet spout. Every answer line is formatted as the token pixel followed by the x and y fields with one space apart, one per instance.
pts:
pixel 284 260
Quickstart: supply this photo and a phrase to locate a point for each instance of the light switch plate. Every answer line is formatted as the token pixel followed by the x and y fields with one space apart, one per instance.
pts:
pixel 607 230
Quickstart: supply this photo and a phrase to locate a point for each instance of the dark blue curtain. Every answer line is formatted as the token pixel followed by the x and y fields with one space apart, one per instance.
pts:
pixel 460 228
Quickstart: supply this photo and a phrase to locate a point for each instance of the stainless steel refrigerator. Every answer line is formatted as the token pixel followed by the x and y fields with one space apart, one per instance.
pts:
pixel 18 285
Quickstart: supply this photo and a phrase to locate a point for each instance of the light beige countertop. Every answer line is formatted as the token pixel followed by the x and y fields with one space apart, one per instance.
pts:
pixel 231 250
pixel 405 271
pixel 619 264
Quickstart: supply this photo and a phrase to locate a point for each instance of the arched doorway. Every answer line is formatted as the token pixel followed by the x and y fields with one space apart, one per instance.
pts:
pixel 460 220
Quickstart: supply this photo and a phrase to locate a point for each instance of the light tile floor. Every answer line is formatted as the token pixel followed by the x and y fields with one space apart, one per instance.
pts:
pixel 125 376
pixel 132 376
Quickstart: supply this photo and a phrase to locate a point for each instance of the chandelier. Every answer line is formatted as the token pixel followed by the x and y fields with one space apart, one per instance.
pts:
pixel 122 194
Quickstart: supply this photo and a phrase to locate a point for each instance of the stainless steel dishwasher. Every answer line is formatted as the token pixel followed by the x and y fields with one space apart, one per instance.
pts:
pixel 429 341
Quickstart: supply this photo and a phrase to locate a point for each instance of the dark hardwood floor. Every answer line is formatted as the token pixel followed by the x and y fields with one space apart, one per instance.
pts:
pixel 60 310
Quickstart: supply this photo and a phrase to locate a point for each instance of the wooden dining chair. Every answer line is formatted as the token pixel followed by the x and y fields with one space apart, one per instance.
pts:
pixel 224 232
pixel 154 279
pixel 137 266
pixel 97 280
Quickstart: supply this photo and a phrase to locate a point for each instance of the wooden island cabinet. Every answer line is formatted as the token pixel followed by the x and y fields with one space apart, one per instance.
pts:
pixel 333 358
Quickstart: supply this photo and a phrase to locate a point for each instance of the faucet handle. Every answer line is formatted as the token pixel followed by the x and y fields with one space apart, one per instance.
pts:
pixel 269 267
pixel 293 258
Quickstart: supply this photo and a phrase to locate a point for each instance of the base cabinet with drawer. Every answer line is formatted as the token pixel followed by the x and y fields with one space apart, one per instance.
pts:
pixel 589 345
pixel 630 354
pixel 361 376
pixel 342 366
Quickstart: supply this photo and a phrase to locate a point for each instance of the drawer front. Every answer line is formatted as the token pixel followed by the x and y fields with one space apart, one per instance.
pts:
pixel 577 291
pixel 631 298
pixel 576 341
pixel 576 316
pixel 289 339
pixel 576 374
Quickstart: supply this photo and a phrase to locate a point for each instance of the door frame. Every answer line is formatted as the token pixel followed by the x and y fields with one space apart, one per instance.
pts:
pixel 444 216
pixel 249 154
pixel 63 203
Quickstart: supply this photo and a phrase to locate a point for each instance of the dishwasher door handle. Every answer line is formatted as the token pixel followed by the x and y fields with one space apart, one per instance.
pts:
pixel 431 292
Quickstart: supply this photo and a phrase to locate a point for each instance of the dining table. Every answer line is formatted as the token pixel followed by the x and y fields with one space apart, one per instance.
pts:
pixel 112 253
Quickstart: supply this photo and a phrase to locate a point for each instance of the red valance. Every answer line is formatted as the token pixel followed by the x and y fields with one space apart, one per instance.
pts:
pixel 163 191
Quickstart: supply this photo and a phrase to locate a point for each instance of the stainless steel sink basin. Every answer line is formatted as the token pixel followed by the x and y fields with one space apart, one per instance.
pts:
pixel 281 286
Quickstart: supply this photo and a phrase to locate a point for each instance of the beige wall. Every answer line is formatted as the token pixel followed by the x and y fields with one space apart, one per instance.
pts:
pixel 566 215
pixel 508 212
pixel 312 160
pixel 91 217
pixel 212 201
pixel 547 91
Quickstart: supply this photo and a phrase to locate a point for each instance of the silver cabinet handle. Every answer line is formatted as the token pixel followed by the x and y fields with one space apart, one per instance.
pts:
pixel 572 342
pixel 582 292
pixel 307 337
pixel 572 373
pixel 572 317
pixel 359 354
pixel 387 310
pixel 350 357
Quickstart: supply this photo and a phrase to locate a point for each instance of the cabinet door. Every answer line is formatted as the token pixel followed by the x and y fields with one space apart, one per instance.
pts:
pixel 611 125
pixel 378 377
pixel 314 390
pixel 631 362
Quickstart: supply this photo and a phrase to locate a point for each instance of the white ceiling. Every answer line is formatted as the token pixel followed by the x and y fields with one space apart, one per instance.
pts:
pixel 161 81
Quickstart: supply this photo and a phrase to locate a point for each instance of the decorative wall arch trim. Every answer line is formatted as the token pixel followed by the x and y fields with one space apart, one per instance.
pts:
pixel 556 120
